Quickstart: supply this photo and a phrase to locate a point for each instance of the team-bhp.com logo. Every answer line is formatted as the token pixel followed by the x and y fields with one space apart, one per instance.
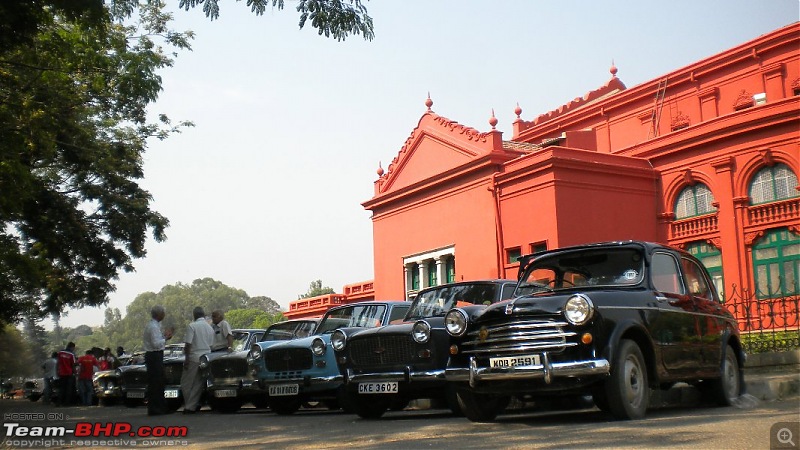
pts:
pixel 94 429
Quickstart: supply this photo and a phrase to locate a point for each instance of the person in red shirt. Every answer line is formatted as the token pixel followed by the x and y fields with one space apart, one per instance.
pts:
pixel 65 369
pixel 87 365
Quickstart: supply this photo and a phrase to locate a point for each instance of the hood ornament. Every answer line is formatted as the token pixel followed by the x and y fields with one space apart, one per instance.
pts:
pixel 510 307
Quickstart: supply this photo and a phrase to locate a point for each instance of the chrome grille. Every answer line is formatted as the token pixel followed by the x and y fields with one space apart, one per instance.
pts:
pixel 288 359
pixel 381 350
pixel 229 368
pixel 518 335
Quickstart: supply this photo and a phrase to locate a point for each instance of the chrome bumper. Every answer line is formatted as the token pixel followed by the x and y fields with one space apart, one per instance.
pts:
pixel 547 370
pixel 407 376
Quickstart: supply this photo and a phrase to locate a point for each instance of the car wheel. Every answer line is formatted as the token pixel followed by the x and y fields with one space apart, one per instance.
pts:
pixel 225 406
pixel 370 408
pixel 452 401
pixel 174 404
pixel 285 407
pixel 260 402
pixel 108 401
pixel 729 386
pixel 480 407
pixel 627 390
pixel 600 398
pixel 345 402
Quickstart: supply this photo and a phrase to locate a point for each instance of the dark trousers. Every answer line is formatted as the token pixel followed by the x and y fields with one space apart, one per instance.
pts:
pixel 154 361
pixel 66 390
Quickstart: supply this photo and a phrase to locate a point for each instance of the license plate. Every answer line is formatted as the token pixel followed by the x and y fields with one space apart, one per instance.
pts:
pixel 225 393
pixel 386 387
pixel 526 360
pixel 135 394
pixel 171 393
pixel 278 390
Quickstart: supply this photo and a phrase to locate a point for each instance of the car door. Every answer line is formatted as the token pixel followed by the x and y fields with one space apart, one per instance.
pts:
pixel 674 328
pixel 710 322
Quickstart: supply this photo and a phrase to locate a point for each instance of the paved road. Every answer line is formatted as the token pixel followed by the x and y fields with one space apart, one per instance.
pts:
pixel 747 427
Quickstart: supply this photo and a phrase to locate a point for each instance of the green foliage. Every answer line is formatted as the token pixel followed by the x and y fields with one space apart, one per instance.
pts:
pixel 75 86
pixel 252 318
pixel 16 359
pixel 770 341
pixel 337 18
pixel 315 289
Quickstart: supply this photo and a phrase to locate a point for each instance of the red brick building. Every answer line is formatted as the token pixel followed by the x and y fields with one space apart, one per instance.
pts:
pixel 705 158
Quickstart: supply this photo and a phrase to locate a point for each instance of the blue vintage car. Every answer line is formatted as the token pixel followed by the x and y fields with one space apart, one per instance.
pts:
pixel 305 370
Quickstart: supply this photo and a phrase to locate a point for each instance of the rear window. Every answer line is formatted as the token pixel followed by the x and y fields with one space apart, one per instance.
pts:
pixel 437 302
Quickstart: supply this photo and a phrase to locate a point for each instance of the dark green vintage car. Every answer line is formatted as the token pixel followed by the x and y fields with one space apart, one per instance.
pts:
pixel 611 320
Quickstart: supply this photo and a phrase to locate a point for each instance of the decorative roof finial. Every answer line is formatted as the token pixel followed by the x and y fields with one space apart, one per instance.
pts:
pixel 518 112
pixel 493 120
pixel 380 169
pixel 613 69
pixel 429 102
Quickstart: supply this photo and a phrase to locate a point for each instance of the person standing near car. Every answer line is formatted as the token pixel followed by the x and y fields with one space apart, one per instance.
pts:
pixel 65 369
pixel 153 345
pixel 87 364
pixel 198 340
pixel 223 335
pixel 50 377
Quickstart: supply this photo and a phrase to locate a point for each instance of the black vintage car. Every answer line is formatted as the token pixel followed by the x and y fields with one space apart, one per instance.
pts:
pixel 225 373
pixel 133 379
pixel 612 320
pixel 108 384
pixel 387 367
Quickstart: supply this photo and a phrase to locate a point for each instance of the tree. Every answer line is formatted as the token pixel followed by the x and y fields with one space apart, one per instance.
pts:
pixel 316 289
pixel 337 18
pixel 74 92
pixel 15 357
pixel 252 318
pixel 263 303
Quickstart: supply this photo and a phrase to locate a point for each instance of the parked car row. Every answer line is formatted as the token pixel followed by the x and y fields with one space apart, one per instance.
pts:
pixel 607 321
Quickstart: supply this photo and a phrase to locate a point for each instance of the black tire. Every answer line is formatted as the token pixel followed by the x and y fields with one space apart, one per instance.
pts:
pixel 285 407
pixel 132 402
pixel 260 402
pixel 627 389
pixel 480 407
pixel 108 401
pixel 225 406
pixel 371 407
pixel 344 401
pixel 452 401
pixel 600 398
pixel 725 390
pixel 173 404
pixel 332 405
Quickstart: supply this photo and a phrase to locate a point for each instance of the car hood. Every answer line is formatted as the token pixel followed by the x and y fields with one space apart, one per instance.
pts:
pixel 214 356
pixel 399 328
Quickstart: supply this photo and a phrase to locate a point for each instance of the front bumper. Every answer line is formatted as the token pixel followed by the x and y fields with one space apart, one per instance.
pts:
pixel 407 375
pixel 307 383
pixel 547 370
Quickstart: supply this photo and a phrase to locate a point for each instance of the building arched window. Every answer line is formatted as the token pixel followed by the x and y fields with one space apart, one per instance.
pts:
pixel 694 201
pixel 711 258
pixel 773 183
pixel 776 264
pixel 415 279
pixel 450 269
pixel 432 281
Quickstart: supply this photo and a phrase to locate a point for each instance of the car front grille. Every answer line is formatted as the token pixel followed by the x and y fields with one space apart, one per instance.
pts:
pixel 229 368
pixel 518 336
pixel 172 373
pixel 288 359
pixel 381 350
pixel 134 378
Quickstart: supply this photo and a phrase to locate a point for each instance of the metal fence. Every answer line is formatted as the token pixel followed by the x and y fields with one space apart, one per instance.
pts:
pixel 767 325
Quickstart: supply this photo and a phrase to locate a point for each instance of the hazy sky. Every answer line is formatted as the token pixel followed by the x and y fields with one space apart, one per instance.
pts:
pixel 265 193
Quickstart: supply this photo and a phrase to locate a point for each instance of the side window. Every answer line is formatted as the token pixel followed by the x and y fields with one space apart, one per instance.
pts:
pixel 695 279
pixel 508 291
pixel 664 273
pixel 398 313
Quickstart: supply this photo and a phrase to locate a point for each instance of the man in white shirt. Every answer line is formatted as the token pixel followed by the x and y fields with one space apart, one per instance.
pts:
pixel 223 335
pixel 153 345
pixel 50 377
pixel 198 340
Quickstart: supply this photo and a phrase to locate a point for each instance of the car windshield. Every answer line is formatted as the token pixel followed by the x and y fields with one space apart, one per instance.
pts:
pixel 437 302
pixel 367 316
pixel 593 267
pixel 240 340
pixel 285 331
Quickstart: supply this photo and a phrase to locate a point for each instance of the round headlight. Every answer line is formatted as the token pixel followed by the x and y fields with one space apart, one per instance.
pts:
pixel 421 332
pixel 338 340
pixel 578 309
pixel 318 347
pixel 203 362
pixel 455 322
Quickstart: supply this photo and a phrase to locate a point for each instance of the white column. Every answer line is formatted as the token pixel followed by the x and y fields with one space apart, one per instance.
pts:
pixel 423 274
pixel 441 277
